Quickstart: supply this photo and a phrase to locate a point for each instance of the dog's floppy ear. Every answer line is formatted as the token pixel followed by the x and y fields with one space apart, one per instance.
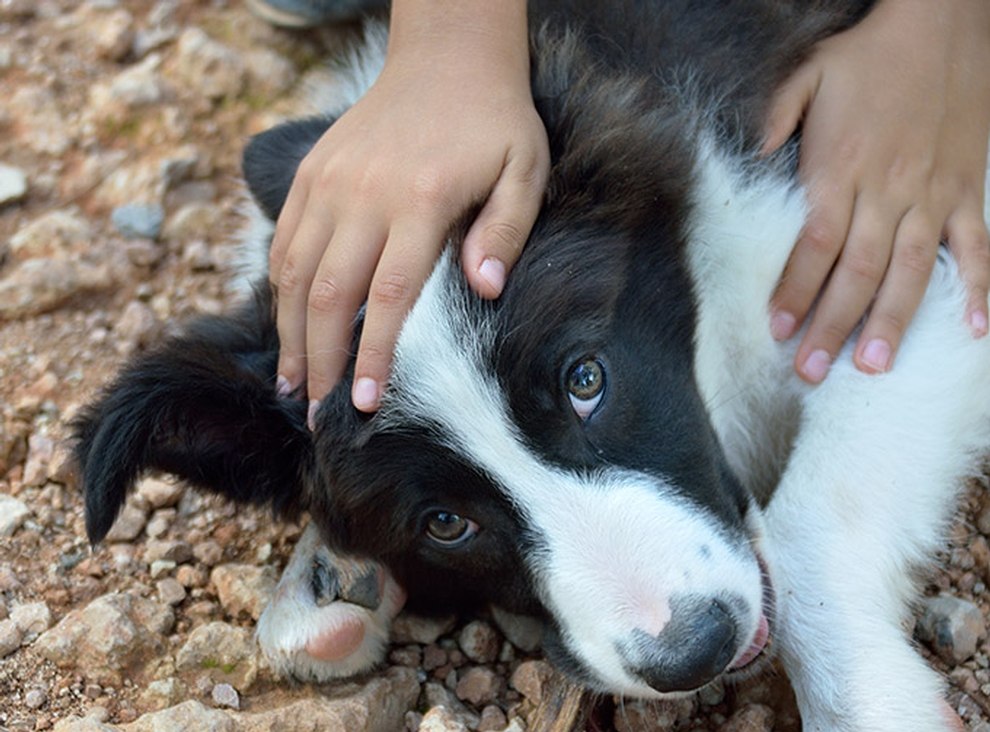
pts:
pixel 272 157
pixel 203 407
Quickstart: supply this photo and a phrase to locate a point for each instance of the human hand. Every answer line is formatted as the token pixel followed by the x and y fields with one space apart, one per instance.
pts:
pixel 896 117
pixel 449 123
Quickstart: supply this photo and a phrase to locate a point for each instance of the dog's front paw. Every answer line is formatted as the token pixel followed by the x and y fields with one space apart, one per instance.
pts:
pixel 330 616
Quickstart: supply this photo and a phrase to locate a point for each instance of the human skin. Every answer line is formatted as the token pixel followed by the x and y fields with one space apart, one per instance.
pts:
pixel 895 117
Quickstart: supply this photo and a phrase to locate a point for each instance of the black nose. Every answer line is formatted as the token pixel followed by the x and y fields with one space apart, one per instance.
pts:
pixel 694 647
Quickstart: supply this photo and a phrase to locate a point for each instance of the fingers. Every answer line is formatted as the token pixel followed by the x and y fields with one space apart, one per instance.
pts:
pixel 966 233
pixel 498 234
pixel 812 258
pixel 913 257
pixel 788 107
pixel 406 262
pixel 855 278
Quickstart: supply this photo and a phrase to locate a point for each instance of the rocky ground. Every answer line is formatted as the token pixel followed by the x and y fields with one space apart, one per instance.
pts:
pixel 120 133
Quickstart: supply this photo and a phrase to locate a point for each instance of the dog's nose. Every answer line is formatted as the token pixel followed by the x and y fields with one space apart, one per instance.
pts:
pixel 354 581
pixel 694 647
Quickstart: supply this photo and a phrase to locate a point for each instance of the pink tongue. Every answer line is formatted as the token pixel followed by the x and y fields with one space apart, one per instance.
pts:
pixel 759 642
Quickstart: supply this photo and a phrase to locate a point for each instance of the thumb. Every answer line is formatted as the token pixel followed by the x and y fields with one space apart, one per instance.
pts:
pixel 788 106
pixel 498 234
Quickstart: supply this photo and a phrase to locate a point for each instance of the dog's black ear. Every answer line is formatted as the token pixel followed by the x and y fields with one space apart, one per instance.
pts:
pixel 203 407
pixel 272 157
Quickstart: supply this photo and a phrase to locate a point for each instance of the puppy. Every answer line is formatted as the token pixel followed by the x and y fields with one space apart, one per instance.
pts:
pixel 617 446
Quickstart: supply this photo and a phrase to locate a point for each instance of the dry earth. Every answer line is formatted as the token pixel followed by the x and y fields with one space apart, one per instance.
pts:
pixel 113 104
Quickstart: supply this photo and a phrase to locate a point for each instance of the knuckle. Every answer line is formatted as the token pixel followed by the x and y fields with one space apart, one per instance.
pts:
pixel 325 296
pixel 289 277
pixel 916 256
pixel 864 264
pixel 429 190
pixel 819 239
pixel 891 321
pixel 504 236
pixel 392 290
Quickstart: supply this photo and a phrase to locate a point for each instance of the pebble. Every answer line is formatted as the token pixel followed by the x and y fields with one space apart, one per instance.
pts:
pixel 128 525
pixel 209 66
pixel 137 325
pixel 951 626
pixel 173 550
pixel 53 233
pixel 243 589
pixel 39 285
pixel 479 641
pixel 10 637
pixel 441 719
pixel 35 699
pixel 409 628
pixel 160 493
pixel 159 523
pixel 492 719
pixel 638 715
pixel 112 34
pixel 478 685
pixel 523 631
pixel 529 679
pixel 138 220
pixel 189 576
pixel 160 568
pixel 225 695
pixel 436 694
pixel 13 184
pixel 170 591
pixel 12 515
pixel 32 619
pixel 228 653
pixel 751 718
pixel 207 552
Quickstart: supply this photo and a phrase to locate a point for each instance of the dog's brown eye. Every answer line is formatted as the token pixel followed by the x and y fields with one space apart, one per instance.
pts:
pixel 449 529
pixel 585 386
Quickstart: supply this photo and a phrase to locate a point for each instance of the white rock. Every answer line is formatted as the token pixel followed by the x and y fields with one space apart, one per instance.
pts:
pixel 13 184
pixel 12 515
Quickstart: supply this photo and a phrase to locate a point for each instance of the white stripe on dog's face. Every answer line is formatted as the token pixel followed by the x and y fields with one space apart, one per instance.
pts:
pixel 613 546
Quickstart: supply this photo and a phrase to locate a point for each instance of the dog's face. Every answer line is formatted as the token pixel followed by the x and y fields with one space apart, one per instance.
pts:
pixel 548 452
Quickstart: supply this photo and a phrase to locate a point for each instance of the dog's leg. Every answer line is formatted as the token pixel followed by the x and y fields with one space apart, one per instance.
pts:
pixel 331 614
pixel 864 500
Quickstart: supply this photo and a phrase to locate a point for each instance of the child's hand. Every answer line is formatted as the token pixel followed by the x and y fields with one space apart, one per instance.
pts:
pixel 896 116
pixel 449 123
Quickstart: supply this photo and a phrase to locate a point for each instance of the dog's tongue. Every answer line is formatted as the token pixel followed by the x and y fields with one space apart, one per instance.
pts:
pixel 759 643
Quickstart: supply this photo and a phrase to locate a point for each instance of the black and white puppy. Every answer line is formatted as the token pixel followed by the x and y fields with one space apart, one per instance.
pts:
pixel 617 446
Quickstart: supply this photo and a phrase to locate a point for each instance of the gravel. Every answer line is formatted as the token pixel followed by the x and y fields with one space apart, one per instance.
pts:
pixel 122 133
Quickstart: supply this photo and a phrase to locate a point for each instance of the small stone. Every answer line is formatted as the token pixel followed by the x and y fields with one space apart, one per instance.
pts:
pixel 137 325
pixel 39 285
pixel 437 695
pixel 440 719
pixel 407 656
pixel 951 626
pixel 209 66
pixel 139 220
pixel 128 525
pixel 113 34
pixel 12 515
pixel 160 493
pixel 41 452
pixel 10 637
pixel 639 715
pixel 172 550
pixel 160 568
pixel 409 628
pixel 208 552
pixel 479 641
pixel 225 695
pixel 35 699
pixel 189 576
pixel 13 184
pixel 751 718
pixel 492 719
pixel 163 693
pixel 32 619
pixel 523 631
pixel 243 589
pixel 433 657
pixel 530 678
pixel 478 685
pixel 159 523
pixel 170 591
pixel 51 234
pixel 227 652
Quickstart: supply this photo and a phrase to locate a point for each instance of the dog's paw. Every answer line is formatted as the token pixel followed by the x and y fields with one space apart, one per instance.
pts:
pixel 330 616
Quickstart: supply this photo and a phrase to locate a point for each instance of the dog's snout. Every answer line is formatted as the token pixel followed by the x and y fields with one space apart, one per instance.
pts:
pixel 354 581
pixel 695 646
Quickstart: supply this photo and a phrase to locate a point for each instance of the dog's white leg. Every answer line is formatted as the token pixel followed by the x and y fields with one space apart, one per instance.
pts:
pixel 865 497
pixel 331 614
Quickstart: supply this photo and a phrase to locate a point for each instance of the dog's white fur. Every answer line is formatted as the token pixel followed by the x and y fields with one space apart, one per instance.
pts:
pixel 861 473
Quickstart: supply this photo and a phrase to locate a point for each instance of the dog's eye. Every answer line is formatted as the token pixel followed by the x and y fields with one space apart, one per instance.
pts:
pixel 449 529
pixel 585 386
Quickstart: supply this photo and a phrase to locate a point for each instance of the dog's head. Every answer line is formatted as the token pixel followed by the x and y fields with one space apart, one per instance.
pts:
pixel 548 452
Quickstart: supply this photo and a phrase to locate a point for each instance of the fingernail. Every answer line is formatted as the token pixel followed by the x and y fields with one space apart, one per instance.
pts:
pixel 782 325
pixel 876 355
pixel 978 323
pixel 365 394
pixel 311 415
pixel 282 386
pixel 492 271
pixel 816 366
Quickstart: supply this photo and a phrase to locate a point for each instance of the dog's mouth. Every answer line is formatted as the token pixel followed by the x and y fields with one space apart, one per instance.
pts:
pixel 762 640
